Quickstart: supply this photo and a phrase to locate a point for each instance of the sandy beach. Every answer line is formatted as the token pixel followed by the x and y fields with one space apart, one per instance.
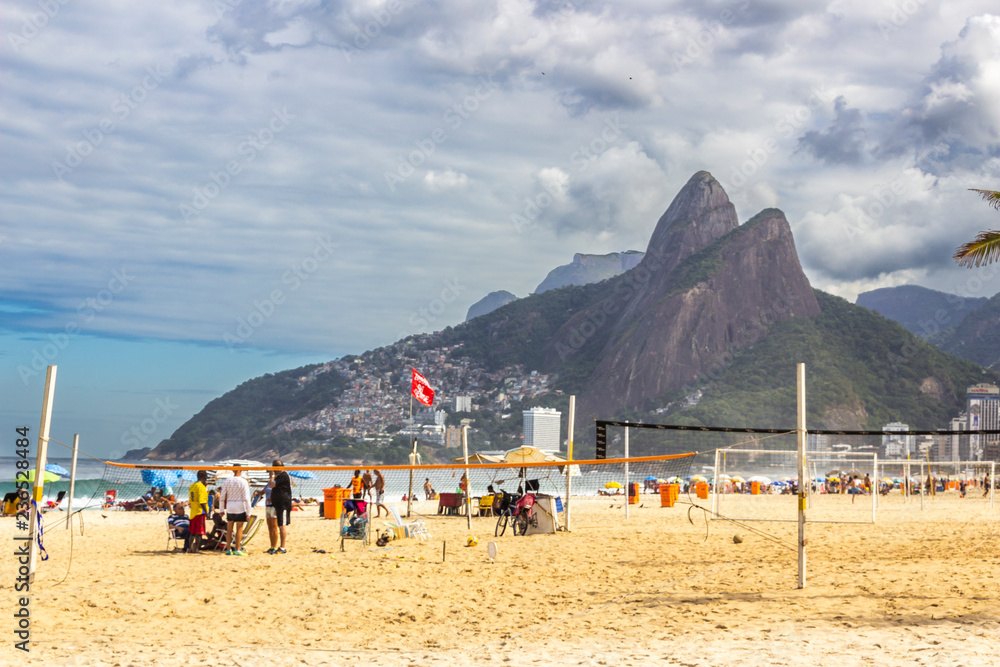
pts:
pixel 917 587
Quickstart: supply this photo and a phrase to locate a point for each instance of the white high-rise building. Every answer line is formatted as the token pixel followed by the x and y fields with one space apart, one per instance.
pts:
pixel 542 428
pixel 898 445
pixel 463 404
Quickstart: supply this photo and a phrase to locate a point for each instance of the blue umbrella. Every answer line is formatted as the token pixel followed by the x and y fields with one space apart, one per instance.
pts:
pixel 302 474
pixel 188 476
pixel 159 478
pixel 57 469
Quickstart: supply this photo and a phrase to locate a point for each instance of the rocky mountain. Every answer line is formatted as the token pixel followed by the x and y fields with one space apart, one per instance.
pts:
pixel 976 337
pixel 920 310
pixel 586 269
pixel 714 310
pixel 489 303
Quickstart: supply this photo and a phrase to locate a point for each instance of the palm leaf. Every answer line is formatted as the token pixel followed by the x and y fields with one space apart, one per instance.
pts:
pixel 984 250
pixel 992 197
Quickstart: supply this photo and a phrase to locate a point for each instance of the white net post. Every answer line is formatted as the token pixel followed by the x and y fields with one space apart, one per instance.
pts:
pixel 715 486
pixel 626 473
pixel 803 486
pixel 874 486
pixel 569 459
pixel 993 481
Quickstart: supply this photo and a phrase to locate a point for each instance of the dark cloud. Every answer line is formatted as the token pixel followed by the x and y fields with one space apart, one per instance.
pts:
pixel 843 142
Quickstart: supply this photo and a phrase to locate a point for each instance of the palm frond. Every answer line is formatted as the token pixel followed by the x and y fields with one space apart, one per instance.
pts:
pixel 984 250
pixel 991 197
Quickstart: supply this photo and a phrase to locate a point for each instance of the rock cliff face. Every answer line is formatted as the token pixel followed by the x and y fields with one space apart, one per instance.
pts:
pixel 586 269
pixel 489 303
pixel 705 289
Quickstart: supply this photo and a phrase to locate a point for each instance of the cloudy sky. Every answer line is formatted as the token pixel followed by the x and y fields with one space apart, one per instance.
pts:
pixel 195 193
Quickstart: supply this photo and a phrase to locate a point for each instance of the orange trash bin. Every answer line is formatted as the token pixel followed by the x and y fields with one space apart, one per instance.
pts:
pixel 702 490
pixel 754 488
pixel 666 496
pixel 333 502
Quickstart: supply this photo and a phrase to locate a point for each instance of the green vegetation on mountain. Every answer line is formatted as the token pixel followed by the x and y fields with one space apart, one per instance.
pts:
pixel 855 361
pixel 242 418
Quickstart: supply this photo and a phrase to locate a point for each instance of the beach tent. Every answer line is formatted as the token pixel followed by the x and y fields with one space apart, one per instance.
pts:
pixel 479 458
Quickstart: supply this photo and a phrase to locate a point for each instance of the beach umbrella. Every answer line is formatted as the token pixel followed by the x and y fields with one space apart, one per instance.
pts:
pixel 57 469
pixel 737 478
pixel 674 479
pixel 724 476
pixel 47 477
pixel 833 479
pixel 189 476
pixel 650 479
pixel 159 478
pixel 612 485
pixel 302 474
pixel 479 458
pixel 524 455
pixel 698 478
pixel 761 479
pixel 819 479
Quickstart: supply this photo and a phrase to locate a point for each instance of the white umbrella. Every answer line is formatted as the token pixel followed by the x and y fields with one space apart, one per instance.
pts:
pixel 760 479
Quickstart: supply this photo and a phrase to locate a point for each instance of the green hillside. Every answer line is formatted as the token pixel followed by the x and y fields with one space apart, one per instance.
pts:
pixel 854 358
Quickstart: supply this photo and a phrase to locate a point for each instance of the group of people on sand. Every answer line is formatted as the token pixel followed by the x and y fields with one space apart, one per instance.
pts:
pixel 362 487
pixel 233 511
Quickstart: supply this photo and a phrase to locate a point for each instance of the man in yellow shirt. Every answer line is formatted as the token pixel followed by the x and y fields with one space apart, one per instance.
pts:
pixel 357 485
pixel 198 497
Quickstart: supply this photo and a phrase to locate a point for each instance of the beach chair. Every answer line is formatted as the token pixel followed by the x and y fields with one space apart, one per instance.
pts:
pixel 486 506
pixel 417 529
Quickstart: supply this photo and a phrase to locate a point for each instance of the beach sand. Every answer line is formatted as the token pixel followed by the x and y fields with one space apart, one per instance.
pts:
pixel 917 587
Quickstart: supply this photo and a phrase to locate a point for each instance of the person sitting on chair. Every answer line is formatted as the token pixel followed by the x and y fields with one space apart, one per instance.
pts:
pixel 181 524
pixel 50 505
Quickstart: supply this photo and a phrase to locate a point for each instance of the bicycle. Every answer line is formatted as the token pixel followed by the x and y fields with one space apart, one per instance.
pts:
pixel 518 512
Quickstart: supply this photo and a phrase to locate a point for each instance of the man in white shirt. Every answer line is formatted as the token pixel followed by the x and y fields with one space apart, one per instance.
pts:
pixel 234 497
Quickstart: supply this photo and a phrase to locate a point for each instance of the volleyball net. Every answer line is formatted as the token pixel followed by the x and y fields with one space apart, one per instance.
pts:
pixel 124 486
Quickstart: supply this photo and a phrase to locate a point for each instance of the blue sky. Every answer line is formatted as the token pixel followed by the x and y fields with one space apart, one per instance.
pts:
pixel 197 193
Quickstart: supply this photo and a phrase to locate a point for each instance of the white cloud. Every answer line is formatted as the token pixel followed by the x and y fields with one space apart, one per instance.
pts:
pixel 469 80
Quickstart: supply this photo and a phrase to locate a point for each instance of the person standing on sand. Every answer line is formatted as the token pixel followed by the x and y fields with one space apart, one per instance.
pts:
pixel 357 485
pixel 235 498
pixel 281 498
pixel 270 516
pixel 380 494
pixel 198 501
pixel 366 480
pixel 428 489
pixel 986 485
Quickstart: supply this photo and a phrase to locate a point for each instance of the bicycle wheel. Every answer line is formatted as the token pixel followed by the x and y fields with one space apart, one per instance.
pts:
pixel 501 525
pixel 520 524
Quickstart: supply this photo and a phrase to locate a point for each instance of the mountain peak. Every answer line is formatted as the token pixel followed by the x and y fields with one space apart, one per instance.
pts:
pixel 699 214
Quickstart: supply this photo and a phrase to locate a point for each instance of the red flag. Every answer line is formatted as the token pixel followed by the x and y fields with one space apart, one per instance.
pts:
pixel 421 390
